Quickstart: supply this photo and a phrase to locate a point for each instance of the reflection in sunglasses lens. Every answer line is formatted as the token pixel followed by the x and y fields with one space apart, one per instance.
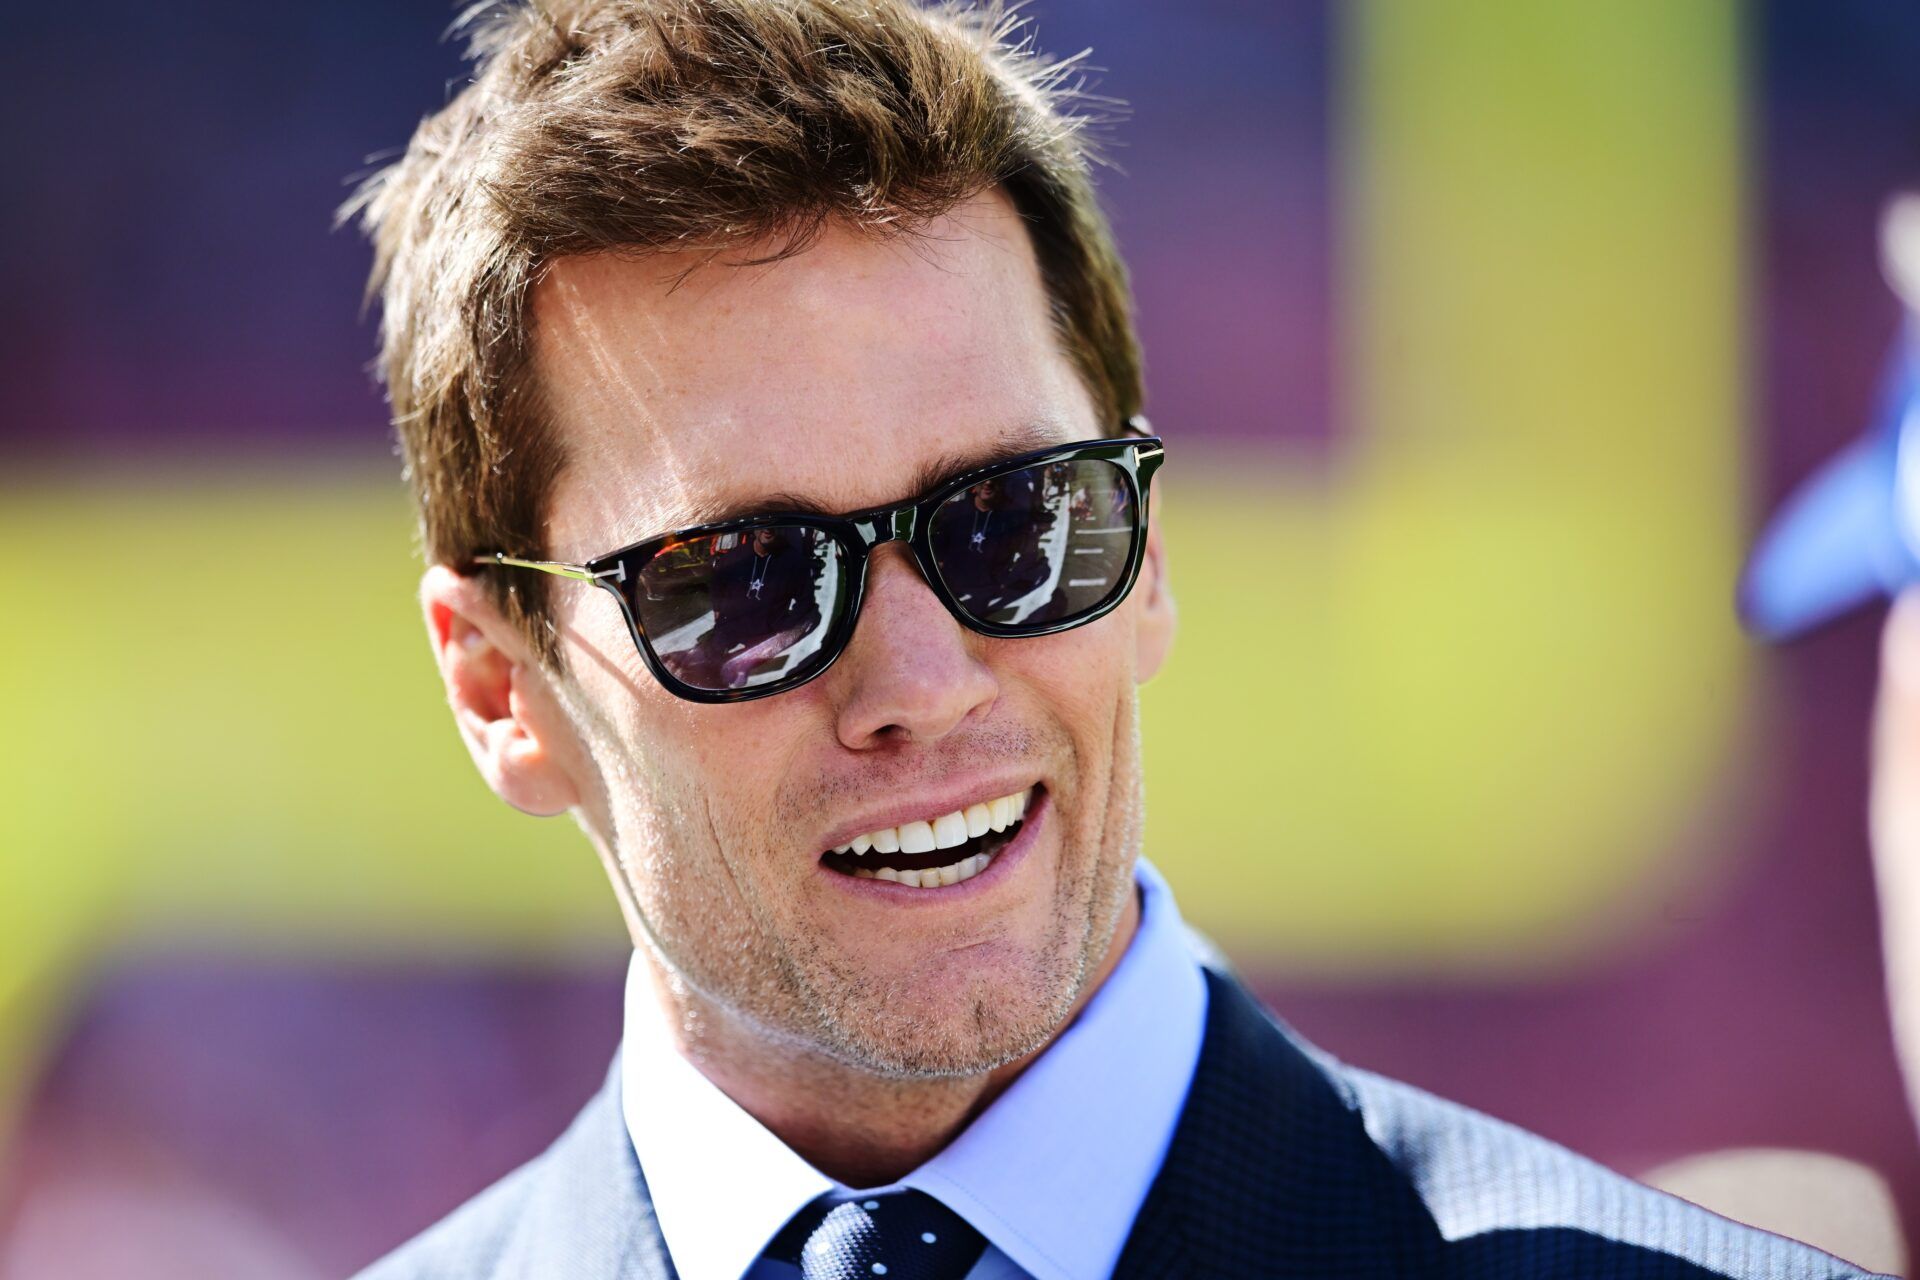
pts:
pixel 1033 548
pixel 739 610
pixel 1037 546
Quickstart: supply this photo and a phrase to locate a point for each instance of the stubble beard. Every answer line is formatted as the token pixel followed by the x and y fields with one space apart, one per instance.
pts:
pixel 877 1027
pixel 796 990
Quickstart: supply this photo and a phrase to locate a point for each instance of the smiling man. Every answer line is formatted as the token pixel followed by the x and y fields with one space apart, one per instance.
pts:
pixel 767 383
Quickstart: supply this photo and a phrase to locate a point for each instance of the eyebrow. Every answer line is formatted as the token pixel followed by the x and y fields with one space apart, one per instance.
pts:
pixel 1026 437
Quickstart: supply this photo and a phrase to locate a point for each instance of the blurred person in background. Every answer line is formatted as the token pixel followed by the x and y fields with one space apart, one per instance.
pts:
pixel 904 999
pixel 1849 537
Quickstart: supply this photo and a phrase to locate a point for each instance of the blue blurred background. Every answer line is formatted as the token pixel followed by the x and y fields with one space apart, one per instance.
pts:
pixel 1484 333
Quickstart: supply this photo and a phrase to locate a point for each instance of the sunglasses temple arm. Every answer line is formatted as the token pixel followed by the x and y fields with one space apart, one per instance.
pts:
pixel 558 568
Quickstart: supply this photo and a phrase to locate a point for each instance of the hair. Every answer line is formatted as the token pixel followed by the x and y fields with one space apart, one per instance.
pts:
pixel 638 125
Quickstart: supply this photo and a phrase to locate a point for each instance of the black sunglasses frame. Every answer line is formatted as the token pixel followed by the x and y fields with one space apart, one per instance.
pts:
pixel 1137 454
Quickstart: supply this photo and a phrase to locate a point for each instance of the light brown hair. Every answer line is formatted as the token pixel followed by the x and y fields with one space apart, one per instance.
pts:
pixel 635 125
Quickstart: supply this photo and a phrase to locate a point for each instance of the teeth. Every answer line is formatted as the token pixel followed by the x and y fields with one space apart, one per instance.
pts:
pixel 945 831
pixel 932 877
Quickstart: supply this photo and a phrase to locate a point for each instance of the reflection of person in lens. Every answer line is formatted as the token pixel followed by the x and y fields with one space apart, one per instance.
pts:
pixel 987 542
pixel 762 601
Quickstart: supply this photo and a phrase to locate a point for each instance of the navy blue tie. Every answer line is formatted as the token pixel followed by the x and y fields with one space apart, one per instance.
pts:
pixel 902 1235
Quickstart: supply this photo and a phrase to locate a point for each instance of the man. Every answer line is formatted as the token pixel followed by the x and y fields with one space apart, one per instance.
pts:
pixel 903 1001
pixel 993 552
pixel 761 603
pixel 1850 536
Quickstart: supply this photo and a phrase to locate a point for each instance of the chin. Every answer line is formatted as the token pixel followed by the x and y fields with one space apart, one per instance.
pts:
pixel 946 1025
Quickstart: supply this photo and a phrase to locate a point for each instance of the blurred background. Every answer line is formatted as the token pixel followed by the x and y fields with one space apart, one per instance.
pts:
pixel 1484 333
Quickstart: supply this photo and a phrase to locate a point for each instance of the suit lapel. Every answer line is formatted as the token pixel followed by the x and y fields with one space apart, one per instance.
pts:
pixel 1270 1171
pixel 589 1213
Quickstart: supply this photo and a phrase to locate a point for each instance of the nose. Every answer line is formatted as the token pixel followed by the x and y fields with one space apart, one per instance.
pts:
pixel 911 673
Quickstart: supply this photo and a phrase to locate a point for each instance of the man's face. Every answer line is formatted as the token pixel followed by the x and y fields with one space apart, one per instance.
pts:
pixel 845 376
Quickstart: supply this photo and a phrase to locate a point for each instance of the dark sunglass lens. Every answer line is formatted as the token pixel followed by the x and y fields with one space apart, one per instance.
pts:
pixel 736 611
pixel 1037 546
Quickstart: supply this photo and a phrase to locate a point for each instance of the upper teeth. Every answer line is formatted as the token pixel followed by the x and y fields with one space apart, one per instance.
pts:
pixel 945 831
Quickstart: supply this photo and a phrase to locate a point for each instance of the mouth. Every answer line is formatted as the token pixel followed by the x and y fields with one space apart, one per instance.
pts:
pixel 938 851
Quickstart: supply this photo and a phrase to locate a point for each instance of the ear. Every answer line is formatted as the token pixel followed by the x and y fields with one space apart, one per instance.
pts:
pixel 1155 617
pixel 503 701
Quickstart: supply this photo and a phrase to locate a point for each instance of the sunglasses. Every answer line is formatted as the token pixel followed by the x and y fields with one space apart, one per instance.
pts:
pixel 751 607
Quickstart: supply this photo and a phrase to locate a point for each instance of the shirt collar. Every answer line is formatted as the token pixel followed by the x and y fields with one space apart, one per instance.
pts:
pixel 1097 1109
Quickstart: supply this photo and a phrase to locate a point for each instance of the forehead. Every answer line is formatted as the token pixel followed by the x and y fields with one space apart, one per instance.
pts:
pixel 687 389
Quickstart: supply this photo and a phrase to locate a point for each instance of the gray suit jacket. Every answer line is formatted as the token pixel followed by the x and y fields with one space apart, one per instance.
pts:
pixel 1285 1163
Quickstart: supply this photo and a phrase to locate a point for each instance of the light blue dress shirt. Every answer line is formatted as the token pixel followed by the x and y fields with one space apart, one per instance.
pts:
pixel 1052 1174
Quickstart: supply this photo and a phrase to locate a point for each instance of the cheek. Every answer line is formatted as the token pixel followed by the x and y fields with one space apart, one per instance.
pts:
pixel 1082 682
pixel 691 790
pixel 1081 676
pixel 647 810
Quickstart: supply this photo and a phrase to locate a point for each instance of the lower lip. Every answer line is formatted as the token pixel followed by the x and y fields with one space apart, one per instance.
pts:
pixel 999 868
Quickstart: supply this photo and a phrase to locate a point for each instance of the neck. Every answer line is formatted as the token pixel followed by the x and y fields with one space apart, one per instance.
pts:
pixel 861 1129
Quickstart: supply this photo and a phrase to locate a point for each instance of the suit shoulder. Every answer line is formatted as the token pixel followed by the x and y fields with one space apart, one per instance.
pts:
pixel 469 1242
pixel 579 1208
pixel 1510 1203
